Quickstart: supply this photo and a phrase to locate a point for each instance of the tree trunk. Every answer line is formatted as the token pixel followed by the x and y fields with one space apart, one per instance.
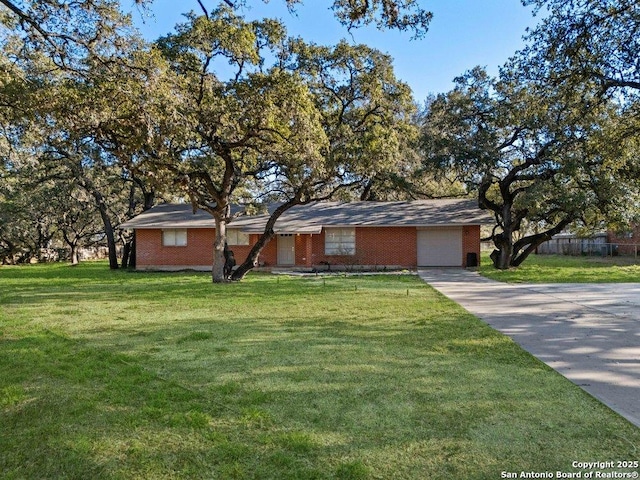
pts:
pixel 503 241
pixel 527 245
pixel 252 259
pixel 132 256
pixel 108 229
pixel 501 256
pixel 126 253
pixel 88 185
pixel 74 254
pixel 217 270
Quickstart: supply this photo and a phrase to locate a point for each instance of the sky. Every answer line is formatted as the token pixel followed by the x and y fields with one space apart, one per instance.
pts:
pixel 462 34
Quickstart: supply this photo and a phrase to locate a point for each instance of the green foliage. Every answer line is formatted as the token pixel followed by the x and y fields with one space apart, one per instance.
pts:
pixel 222 110
pixel 589 49
pixel 385 14
pixel 75 113
pixel 283 121
pixel 68 33
pixel 586 44
pixel 367 113
pixel 537 160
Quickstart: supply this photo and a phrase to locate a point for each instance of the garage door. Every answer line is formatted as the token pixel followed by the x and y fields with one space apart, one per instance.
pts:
pixel 440 247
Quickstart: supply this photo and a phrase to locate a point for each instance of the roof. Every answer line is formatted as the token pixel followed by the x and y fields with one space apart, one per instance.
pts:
pixel 312 217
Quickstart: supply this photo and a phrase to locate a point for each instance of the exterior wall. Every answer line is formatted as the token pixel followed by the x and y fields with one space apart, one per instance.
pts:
pixel 470 242
pixel 374 246
pixel 628 243
pixel 150 253
pixel 390 246
pixel 269 255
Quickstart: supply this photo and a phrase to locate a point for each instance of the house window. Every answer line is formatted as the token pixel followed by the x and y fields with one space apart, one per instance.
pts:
pixel 236 237
pixel 340 241
pixel 174 237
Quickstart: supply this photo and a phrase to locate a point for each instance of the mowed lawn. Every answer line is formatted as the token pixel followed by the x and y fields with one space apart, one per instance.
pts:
pixel 567 269
pixel 121 375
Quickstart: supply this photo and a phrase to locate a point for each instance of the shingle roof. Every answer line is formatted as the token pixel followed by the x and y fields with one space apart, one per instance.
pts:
pixel 312 217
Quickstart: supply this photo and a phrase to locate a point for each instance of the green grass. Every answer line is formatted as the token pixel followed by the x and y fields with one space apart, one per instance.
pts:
pixel 566 269
pixel 118 375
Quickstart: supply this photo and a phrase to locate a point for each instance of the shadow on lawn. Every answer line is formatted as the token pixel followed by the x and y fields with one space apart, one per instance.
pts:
pixel 350 392
pixel 80 412
pixel 324 402
pixel 96 414
pixel 94 283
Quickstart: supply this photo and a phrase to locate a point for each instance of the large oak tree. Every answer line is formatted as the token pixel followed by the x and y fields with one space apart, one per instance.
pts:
pixel 590 49
pixel 366 116
pixel 537 164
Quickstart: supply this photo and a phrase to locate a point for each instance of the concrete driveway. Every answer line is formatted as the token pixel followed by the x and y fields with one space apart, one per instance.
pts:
pixel 590 333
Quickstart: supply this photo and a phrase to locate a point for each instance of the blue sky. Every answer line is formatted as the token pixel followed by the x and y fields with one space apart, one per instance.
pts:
pixel 463 34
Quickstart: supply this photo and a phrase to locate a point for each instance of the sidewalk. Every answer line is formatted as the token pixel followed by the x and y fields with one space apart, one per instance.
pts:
pixel 590 333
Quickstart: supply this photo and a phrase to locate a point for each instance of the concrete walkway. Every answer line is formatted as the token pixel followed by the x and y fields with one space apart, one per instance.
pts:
pixel 590 333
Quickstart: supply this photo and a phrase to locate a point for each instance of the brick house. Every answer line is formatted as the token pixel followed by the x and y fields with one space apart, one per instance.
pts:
pixel 364 234
pixel 627 243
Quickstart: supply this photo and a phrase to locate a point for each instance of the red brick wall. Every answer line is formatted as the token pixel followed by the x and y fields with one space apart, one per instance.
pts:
pixel 470 242
pixel 198 252
pixel 627 243
pixel 269 255
pixel 374 246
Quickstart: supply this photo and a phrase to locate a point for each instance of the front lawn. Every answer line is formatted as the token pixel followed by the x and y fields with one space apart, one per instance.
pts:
pixel 566 269
pixel 120 375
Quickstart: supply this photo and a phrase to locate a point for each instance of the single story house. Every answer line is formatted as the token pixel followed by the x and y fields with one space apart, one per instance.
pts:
pixel 430 233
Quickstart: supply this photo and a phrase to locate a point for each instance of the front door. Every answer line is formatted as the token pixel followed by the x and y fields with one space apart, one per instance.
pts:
pixel 286 250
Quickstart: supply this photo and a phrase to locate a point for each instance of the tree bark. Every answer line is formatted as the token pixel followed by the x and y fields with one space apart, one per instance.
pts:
pixel 268 234
pixel 126 254
pixel 132 257
pixel 108 229
pixel 527 245
pixel 74 254
pixel 252 259
pixel 217 269
pixel 501 256
pixel 88 185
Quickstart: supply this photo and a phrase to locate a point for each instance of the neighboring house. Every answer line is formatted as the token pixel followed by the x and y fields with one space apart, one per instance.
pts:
pixel 628 243
pixel 434 233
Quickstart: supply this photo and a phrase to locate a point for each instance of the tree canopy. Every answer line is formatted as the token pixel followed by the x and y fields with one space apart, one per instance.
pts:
pixel 55 20
pixel 226 110
pixel 296 128
pixel 586 42
pixel 537 163
pixel 589 49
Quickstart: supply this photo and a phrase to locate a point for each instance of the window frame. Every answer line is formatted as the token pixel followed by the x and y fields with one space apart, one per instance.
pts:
pixel 340 241
pixel 178 239
pixel 237 232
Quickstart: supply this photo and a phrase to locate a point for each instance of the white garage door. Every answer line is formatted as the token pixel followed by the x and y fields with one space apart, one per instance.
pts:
pixel 440 247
